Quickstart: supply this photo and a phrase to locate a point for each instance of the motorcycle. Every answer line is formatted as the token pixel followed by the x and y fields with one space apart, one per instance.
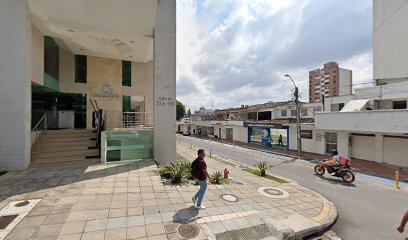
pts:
pixel 343 171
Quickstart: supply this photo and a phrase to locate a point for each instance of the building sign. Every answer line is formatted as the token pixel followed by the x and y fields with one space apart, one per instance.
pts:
pixel 165 101
pixel 308 134
pixel 267 125
pixel 106 92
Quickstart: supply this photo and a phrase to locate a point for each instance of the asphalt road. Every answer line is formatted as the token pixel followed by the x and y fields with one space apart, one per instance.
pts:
pixel 367 209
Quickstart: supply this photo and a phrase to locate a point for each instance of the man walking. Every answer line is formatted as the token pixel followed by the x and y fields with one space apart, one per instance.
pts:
pixel 199 171
pixel 280 140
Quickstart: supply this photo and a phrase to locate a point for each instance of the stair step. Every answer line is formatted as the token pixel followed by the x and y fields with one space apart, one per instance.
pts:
pixel 79 162
pixel 59 159
pixel 63 139
pixel 69 131
pixel 60 148
pixel 73 135
pixel 57 154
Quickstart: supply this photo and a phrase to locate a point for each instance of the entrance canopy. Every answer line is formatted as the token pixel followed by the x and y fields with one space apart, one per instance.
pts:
pixel 103 28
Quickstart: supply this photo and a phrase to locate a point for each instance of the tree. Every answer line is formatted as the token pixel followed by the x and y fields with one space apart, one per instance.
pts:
pixel 180 110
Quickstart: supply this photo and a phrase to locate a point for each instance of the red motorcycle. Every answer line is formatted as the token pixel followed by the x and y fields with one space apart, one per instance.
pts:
pixel 343 171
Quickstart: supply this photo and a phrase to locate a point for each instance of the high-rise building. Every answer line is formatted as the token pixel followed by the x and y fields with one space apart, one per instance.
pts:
pixel 329 81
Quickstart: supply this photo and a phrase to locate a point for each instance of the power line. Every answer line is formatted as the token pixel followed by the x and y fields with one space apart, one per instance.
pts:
pixel 378 27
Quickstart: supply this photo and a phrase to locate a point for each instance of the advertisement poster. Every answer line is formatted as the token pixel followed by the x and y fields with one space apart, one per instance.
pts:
pixel 265 136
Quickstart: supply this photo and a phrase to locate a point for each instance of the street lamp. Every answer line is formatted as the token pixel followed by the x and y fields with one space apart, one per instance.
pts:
pixel 296 94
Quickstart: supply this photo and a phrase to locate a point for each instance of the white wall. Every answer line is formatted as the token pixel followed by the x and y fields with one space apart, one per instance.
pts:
pixel 15 85
pixel 345 81
pixel 240 134
pixel 67 82
pixel 165 82
pixel 364 121
pixel 390 46
pixel 308 145
pixel 37 56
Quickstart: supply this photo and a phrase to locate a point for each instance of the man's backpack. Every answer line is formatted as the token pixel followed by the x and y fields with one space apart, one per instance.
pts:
pixel 195 168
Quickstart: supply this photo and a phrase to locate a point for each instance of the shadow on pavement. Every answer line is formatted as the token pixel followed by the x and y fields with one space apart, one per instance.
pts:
pixel 186 215
pixel 337 181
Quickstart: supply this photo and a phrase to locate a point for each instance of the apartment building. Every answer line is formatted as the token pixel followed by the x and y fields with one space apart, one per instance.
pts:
pixel 58 56
pixel 330 81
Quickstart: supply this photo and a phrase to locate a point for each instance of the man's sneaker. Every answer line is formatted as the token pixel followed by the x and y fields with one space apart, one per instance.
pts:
pixel 194 200
pixel 333 173
pixel 202 207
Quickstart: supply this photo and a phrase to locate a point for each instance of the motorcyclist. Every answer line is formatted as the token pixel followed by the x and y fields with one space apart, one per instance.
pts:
pixel 336 157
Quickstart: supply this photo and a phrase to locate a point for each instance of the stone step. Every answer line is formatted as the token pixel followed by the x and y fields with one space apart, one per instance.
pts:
pixel 68 135
pixel 61 159
pixel 57 144
pixel 75 162
pixel 45 140
pixel 61 148
pixel 58 154
pixel 68 131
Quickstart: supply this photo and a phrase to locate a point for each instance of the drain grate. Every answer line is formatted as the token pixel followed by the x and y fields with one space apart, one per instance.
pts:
pixel 188 230
pixel 6 220
pixel 256 233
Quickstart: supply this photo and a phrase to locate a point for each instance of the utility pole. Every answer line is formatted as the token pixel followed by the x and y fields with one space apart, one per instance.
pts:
pixel 298 130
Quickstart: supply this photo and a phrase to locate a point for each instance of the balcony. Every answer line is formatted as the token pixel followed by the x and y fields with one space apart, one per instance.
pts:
pixel 379 121
pixel 391 91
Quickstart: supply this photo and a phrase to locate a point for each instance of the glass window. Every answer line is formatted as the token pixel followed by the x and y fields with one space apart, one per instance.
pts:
pixel 307 134
pixel 126 73
pixel 80 68
pixel 284 113
pixel 304 112
pixel 399 104
pixel 293 113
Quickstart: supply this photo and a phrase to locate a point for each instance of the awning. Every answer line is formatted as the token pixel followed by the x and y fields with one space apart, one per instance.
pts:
pixel 355 105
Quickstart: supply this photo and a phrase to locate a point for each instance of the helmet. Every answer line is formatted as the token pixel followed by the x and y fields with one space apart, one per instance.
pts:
pixel 334 152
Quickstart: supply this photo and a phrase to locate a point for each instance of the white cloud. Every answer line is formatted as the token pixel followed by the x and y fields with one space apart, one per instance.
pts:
pixel 236 52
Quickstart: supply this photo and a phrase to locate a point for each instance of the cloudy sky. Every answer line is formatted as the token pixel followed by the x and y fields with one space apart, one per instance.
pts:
pixel 233 52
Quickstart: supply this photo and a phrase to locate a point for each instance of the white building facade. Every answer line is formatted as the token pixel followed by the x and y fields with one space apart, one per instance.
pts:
pixel 120 54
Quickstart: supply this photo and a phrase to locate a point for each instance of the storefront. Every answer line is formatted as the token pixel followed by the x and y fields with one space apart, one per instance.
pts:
pixel 263 134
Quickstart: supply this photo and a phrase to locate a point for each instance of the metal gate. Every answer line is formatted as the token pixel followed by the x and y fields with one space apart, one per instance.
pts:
pixel 331 141
pixel 229 134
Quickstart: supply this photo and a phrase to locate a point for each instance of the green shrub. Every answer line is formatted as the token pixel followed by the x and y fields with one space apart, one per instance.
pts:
pixel 216 177
pixel 178 173
pixel 263 166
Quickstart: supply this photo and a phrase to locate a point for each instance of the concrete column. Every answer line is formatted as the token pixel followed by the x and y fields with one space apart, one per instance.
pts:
pixel 15 85
pixel 164 90
pixel 379 148
pixel 343 146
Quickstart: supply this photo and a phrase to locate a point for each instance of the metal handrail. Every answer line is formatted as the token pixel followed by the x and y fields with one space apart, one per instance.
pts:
pixel 134 119
pixel 39 128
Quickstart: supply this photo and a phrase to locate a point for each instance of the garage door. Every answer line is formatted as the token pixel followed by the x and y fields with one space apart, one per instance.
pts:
pixel 396 151
pixel 362 147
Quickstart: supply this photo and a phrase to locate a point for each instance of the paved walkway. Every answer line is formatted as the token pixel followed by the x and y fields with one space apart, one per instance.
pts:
pixel 129 201
pixel 362 166
pixel 301 213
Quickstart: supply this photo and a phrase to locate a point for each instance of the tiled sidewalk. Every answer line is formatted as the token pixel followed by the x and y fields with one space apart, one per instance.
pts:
pixel 303 210
pixel 129 201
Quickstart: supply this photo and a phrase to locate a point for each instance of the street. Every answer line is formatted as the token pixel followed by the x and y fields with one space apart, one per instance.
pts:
pixel 367 209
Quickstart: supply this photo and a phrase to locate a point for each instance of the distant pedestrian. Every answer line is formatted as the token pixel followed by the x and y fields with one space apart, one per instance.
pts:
pixel 280 140
pixel 199 171
pixel 404 221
